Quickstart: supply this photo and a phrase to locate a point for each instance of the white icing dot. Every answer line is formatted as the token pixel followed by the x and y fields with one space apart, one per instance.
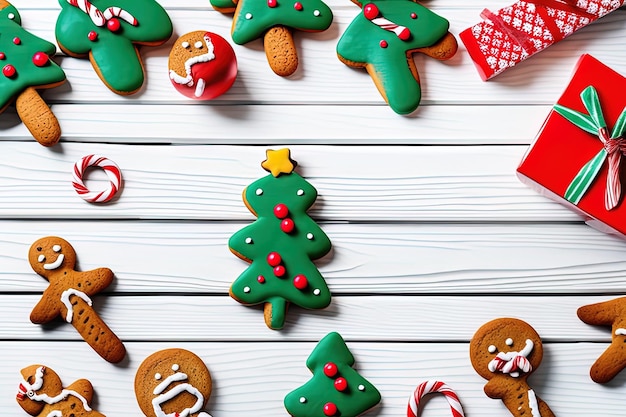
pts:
pixel 361 387
pixel 11 16
pixel 157 376
pixel 248 240
pixel 246 289
pixel 492 349
pixel 56 248
pixel 259 191
pixel 175 367
pixel 309 236
pixel 248 16
pixel 509 342
pixel 317 291
pixel 302 400
pixel 185 44
pixel 300 192
pixel 198 45
pixel 41 258
pixel 316 13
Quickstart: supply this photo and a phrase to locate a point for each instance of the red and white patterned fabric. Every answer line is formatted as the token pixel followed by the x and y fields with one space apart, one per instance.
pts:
pixel 512 34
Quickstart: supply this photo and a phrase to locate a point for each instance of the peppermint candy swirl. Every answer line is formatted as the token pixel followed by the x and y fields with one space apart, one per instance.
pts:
pixel 110 168
pixel 428 387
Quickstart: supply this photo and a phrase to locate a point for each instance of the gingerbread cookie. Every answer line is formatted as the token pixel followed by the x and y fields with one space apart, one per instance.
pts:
pixel 202 65
pixel 68 295
pixel 335 389
pixel 274 21
pixel 173 382
pixel 26 68
pixel 281 244
pixel 506 352
pixel 608 313
pixel 109 32
pixel 41 394
pixel 382 39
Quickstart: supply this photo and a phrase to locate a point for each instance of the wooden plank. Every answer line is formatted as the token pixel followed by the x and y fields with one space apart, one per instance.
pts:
pixel 193 257
pixel 402 318
pixel 205 183
pixel 254 377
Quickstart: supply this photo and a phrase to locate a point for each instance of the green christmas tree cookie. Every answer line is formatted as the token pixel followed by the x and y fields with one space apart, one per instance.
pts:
pixel 335 389
pixel 281 244
pixel 383 38
pixel 109 32
pixel 274 21
pixel 27 67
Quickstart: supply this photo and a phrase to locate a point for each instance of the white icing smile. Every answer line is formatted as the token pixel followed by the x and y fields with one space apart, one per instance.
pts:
pixel 188 80
pixel 53 265
pixel 173 392
pixel 513 363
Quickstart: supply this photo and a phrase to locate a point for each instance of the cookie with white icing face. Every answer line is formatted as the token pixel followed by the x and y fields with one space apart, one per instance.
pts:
pixel 506 351
pixel 202 65
pixel 173 382
pixel 41 393
pixel 68 295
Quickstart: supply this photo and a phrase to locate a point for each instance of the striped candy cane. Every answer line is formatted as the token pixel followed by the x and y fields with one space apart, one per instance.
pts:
pixel 372 14
pixel 428 387
pixel 96 15
pixel 110 168
pixel 121 13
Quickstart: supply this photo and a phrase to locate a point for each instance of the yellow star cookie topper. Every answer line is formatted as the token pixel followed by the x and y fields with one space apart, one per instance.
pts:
pixel 279 162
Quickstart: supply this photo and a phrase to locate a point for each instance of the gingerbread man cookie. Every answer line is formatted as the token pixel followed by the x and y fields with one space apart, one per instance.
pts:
pixel 41 393
pixel 506 351
pixel 173 382
pixel 68 294
pixel 608 313
pixel 109 33
pixel 383 38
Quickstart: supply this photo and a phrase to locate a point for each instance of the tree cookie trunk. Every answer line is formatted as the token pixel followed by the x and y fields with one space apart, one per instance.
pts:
pixel 37 117
pixel 281 51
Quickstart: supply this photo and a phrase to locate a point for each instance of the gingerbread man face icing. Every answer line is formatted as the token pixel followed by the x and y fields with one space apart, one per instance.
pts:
pixel 173 383
pixel 41 394
pixel 506 351
pixel 608 313
pixel 69 295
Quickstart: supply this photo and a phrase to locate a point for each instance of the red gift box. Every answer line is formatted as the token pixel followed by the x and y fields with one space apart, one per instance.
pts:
pixel 576 156
pixel 514 33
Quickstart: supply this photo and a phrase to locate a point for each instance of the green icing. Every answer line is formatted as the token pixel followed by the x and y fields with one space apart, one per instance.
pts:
pixel 295 249
pixel 20 56
pixel 254 17
pixel 114 53
pixel 226 6
pixel 361 43
pixel 320 389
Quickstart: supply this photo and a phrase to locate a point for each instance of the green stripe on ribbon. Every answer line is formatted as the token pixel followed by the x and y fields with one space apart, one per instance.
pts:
pixel 583 180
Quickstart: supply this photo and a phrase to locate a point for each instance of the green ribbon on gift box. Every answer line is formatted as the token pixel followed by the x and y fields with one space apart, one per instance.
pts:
pixel 614 146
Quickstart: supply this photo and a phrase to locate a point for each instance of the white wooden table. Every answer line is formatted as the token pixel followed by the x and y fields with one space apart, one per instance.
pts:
pixel 433 235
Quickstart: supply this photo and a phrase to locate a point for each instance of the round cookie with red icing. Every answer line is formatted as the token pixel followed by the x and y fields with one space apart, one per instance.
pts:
pixel 383 38
pixel 173 382
pixel 109 32
pixel 202 65
pixel 27 67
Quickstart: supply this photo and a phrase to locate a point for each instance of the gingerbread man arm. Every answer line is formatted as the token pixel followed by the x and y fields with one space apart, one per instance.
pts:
pixel 609 364
pixel 84 388
pixel 602 314
pixel 96 280
pixel 47 309
pixel 494 388
pixel 544 410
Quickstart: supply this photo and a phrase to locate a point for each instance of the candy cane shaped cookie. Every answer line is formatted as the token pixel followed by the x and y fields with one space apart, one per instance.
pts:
pixel 109 167
pixel 428 387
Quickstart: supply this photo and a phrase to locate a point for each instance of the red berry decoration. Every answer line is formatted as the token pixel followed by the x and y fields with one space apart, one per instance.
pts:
pixel 300 282
pixel 113 24
pixel 9 71
pixel 274 259
pixel 413 15
pixel 2 56
pixel 272 3
pixel 281 211
pixel 260 279
pixel 93 35
pixel 287 225
pixel 279 271
pixel 298 6
pixel 405 35
pixel 40 59
pixel 341 384
pixel 383 44
pixel 330 409
pixel 17 41
pixel 330 370
pixel 370 11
